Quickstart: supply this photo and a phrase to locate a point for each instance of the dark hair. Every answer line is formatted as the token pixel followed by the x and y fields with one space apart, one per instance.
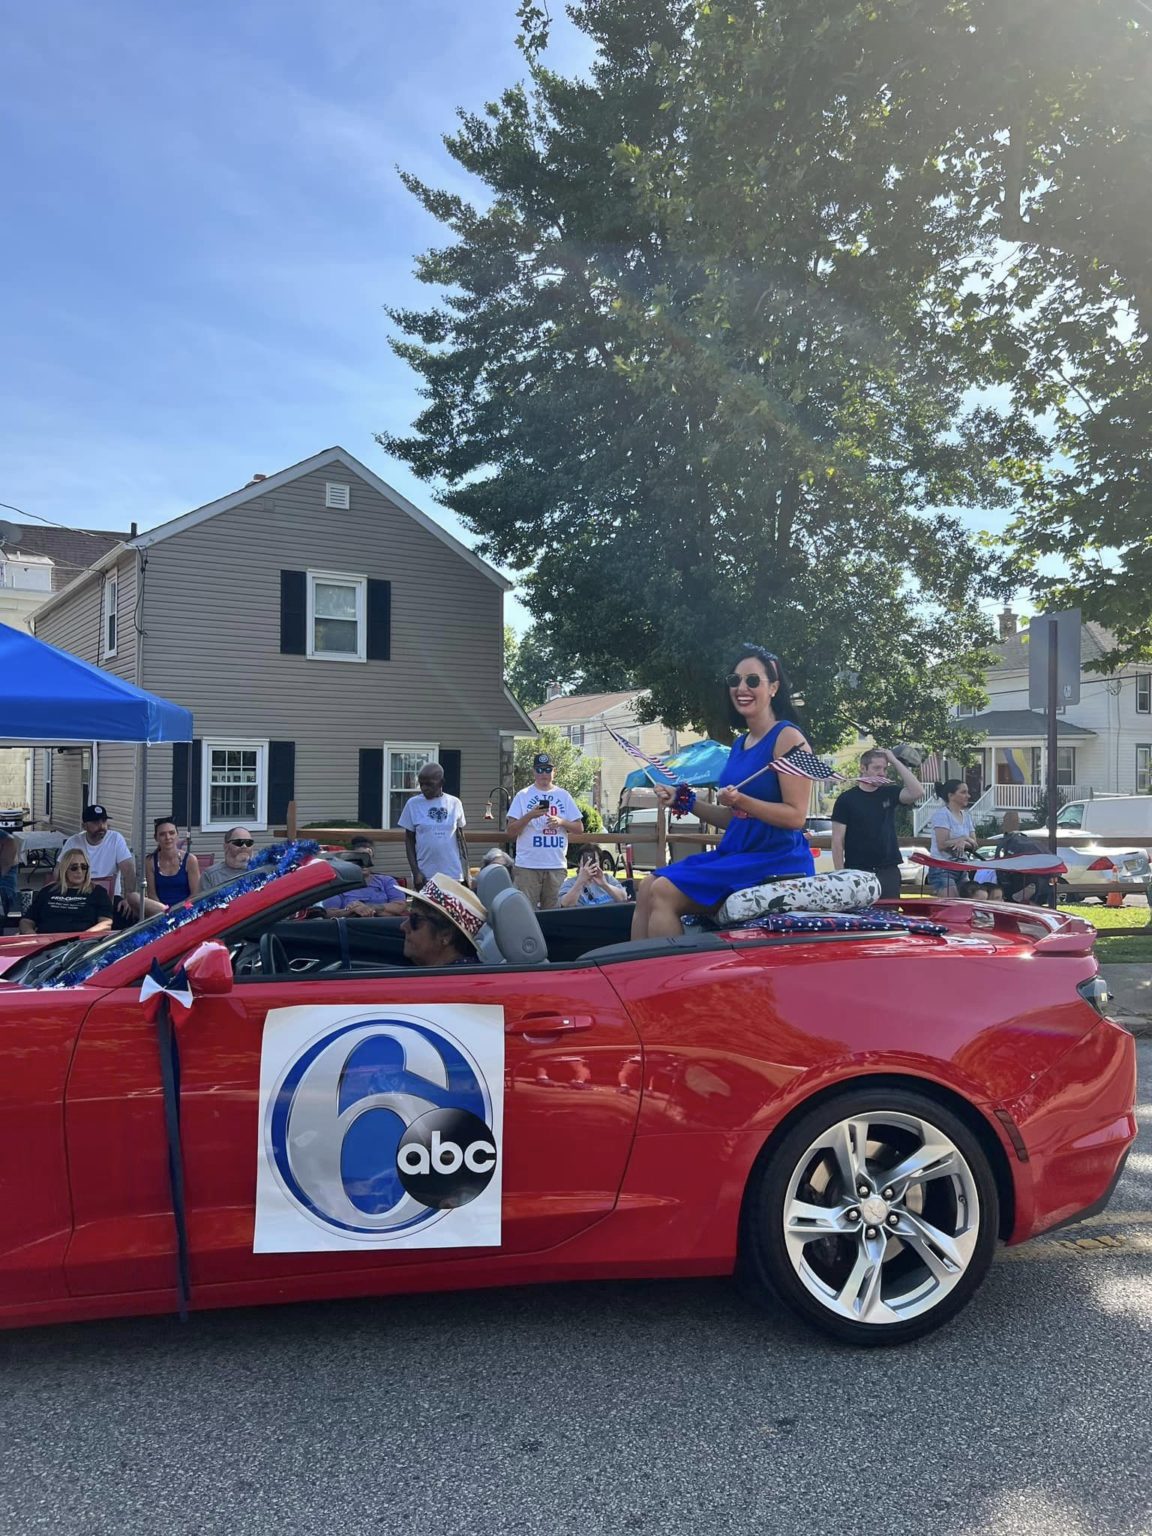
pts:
pixel 871 755
pixel 163 821
pixel 361 842
pixel 782 704
pixel 946 789
pixel 592 851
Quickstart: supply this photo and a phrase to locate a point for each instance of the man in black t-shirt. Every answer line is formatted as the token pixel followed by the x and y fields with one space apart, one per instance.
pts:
pixel 864 819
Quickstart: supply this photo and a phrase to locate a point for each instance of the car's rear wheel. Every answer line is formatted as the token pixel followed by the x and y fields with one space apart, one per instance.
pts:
pixel 875 1218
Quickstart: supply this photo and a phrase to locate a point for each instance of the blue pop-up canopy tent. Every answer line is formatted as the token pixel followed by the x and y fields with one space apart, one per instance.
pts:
pixel 700 763
pixel 49 696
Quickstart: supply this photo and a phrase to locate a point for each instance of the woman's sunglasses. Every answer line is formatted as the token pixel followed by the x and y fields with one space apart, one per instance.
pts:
pixel 752 680
pixel 75 865
pixel 421 920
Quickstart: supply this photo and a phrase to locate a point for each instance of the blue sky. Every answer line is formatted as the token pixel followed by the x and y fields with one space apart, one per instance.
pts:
pixel 202 225
pixel 203 222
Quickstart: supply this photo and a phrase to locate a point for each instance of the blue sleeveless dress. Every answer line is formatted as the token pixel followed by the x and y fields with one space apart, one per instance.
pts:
pixel 750 851
pixel 171 888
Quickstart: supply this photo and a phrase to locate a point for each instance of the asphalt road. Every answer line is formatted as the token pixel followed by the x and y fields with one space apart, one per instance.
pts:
pixel 612 1408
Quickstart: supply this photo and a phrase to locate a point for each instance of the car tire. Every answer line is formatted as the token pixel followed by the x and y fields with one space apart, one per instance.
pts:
pixel 878 1269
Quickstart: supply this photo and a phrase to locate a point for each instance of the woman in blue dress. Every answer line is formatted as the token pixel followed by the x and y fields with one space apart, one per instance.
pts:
pixel 763 821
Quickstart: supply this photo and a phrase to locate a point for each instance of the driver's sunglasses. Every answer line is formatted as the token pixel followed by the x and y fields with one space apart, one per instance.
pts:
pixel 241 842
pixel 421 919
pixel 752 680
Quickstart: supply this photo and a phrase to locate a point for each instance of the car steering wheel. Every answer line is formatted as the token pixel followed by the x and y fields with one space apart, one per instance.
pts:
pixel 273 955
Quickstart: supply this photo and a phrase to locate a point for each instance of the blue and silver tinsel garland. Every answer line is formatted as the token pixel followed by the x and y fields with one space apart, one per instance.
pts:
pixel 267 865
pixel 870 920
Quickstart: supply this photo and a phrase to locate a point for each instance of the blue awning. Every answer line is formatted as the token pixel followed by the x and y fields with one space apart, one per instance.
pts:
pixel 699 763
pixel 48 695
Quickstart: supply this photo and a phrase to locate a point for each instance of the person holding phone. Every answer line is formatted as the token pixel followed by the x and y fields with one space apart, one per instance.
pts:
pixel 540 818
pixel 591 885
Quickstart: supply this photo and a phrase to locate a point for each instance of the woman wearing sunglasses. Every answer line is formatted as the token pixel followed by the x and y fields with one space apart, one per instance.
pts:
pixel 763 818
pixel 71 904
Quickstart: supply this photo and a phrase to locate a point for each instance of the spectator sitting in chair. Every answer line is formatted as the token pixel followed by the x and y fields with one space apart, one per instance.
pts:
pixel 238 846
pixel 171 876
pixel 111 865
pixel 380 896
pixel 9 871
pixel 72 903
pixel 443 923
pixel 591 886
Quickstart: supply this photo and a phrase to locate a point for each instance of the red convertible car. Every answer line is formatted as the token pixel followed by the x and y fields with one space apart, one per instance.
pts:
pixel 230 1105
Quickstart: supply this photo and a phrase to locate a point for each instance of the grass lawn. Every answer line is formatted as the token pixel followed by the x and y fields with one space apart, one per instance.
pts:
pixel 1125 934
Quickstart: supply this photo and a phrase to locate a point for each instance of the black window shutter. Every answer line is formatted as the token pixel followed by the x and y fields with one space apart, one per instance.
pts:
pixel 379 620
pixel 281 779
pixel 293 612
pixel 450 762
pixel 195 776
pixel 370 800
pixel 180 808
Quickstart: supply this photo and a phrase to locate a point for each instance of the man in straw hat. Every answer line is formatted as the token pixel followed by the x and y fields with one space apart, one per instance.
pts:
pixel 442 925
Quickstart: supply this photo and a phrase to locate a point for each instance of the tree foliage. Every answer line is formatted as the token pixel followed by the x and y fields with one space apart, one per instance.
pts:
pixel 535 661
pixel 713 362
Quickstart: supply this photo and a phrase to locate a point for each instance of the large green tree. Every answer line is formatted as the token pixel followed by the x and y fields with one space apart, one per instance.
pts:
pixel 701 366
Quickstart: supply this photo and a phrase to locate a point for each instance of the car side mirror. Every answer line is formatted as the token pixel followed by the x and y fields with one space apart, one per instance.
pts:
pixel 209 970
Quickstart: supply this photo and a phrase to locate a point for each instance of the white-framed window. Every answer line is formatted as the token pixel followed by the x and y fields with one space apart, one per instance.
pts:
pixel 337 496
pixel 1144 693
pixel 1144 768
pixel 108 617
pixel 575 734
pixel 403 760
pixel 337 616
pixel 234 785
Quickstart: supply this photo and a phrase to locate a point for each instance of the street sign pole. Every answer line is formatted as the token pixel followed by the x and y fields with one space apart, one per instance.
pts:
pixel 1053 705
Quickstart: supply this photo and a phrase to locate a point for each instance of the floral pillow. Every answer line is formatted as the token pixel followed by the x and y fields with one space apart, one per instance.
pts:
pixel 841 890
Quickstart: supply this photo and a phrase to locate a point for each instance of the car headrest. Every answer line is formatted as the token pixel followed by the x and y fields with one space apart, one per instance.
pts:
pixel 487 947
pixel 492 879
pixel 517 928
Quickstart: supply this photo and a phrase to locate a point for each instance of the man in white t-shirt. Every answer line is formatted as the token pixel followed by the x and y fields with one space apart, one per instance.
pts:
pixel 434 825
pixel 110 861
pixel 540 819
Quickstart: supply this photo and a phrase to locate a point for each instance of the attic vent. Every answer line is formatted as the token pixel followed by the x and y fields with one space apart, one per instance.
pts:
pixel 336 496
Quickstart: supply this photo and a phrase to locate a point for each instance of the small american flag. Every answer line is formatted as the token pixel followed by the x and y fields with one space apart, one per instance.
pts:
pixel 804 765
pixel 642 757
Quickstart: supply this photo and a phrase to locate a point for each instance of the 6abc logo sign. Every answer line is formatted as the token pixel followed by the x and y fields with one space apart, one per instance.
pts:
pixel 380 1129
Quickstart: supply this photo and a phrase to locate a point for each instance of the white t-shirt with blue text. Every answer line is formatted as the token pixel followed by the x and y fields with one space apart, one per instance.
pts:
pixel 535 848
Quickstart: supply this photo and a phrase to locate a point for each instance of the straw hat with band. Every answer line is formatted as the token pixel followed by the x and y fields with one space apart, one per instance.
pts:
pixel 463 909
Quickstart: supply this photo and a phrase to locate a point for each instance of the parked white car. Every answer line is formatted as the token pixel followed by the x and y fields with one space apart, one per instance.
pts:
pixel 1095 871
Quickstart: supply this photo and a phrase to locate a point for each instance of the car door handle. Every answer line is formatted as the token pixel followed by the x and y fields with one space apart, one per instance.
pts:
pixel 548 1024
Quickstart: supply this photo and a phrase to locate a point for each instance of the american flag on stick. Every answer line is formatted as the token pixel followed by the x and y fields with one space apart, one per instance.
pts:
pixel 658 763
pixel 804 765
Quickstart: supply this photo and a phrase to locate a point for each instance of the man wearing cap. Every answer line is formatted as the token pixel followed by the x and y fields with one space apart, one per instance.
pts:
pixel 540 819
pixel 443 922
pixel 110 862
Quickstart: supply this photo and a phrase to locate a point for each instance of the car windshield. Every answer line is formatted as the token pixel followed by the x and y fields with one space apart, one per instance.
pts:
pixel 73 964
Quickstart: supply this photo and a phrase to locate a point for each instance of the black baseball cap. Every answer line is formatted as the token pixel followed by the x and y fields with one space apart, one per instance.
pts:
pixel 541 763
pixel 94 813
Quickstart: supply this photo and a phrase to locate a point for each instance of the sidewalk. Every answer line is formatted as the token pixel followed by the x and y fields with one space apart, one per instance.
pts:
pixel 1131 1001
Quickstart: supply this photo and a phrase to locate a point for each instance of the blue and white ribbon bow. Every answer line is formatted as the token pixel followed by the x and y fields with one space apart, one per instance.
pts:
pixel 177 990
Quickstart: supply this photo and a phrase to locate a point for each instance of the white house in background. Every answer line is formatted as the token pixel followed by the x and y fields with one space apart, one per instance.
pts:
pixel 35 562
pixel 584 719
pixel 1103 744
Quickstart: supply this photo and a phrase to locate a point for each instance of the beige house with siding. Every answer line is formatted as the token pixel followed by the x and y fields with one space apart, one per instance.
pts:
pixel 327 636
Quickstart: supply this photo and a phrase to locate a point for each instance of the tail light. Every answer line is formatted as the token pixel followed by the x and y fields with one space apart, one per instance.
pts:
pixel 1102 864
pixel 1095 991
